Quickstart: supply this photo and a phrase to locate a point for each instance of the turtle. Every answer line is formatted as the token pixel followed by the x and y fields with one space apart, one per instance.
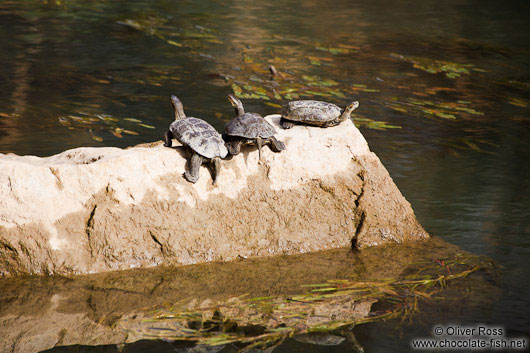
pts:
pixel 316 113
pixel 249 129
pixel 321 339
pixel 201 138
pixel 200 348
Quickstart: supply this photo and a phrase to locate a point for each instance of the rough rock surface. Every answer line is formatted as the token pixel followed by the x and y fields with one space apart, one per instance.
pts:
pixel 89 210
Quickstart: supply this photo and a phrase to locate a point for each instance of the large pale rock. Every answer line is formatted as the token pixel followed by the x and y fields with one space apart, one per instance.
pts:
pixel 89 210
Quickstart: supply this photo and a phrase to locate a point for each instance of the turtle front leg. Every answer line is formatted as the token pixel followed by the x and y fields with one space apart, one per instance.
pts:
pixel 331 123
pixel 286 124
pixel 259 142
pixel 167 138
pixel 216 169
pixel 233 146
pixel 352 340
pixel 275 145
pixel 195 163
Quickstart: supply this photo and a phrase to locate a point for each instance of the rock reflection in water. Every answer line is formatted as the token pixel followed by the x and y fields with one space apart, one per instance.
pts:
pixel 38 313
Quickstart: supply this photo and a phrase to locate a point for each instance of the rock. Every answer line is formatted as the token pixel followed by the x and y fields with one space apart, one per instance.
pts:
pixel 90 210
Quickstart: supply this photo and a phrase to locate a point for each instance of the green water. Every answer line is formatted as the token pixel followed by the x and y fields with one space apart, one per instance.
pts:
pixel 443 87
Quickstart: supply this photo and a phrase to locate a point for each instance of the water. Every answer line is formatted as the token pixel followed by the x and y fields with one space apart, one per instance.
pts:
pixel 35 310
pixel 460 155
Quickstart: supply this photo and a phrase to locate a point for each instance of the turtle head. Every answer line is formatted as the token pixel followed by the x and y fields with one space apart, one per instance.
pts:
pixel 178 108
pixel 236 103
pixel 350 108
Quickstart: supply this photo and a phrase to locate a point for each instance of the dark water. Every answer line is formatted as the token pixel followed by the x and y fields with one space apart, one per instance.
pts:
pixel 444 88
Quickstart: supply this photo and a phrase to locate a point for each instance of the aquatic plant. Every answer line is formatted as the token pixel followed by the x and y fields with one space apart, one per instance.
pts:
pixel 433 66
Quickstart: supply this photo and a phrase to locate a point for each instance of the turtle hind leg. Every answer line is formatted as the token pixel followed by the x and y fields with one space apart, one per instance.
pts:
pixel 234 146
pixel 195 163
pixel 167 138
pixel 275 145
pixel 286 124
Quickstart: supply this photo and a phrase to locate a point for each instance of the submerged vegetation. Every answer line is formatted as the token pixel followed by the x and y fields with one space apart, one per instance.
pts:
pixel 450 69
pixel 323 307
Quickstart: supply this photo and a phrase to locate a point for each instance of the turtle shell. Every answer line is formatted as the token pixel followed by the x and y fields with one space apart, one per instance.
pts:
pixel 311 112
pixel 199 136
pixel 249 125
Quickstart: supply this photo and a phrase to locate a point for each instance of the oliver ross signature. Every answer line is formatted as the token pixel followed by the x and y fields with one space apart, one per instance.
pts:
pixel 468 331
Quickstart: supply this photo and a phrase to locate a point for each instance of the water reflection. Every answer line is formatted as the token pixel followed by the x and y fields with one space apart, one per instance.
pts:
pixel 239 303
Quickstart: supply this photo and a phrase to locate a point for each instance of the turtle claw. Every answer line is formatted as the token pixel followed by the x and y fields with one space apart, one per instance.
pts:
pixel 189 177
